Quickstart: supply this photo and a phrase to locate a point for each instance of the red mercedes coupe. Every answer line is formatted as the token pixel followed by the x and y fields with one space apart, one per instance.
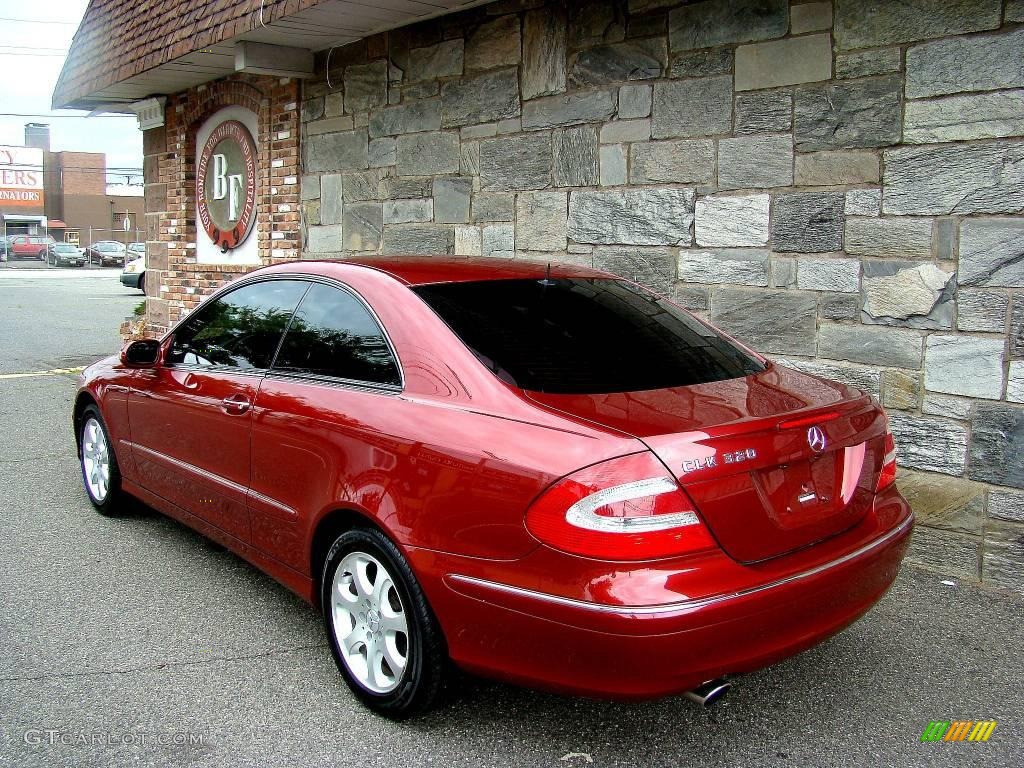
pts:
pixel 545 474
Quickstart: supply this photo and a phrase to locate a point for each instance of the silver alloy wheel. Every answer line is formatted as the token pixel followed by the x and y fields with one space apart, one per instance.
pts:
pixel 369 622
pixel 95 460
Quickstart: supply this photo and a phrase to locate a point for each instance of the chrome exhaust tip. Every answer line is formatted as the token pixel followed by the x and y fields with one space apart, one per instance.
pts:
pixel 708 693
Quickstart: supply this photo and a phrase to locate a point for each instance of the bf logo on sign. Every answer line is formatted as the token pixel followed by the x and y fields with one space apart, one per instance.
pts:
pixel 230 185
pixel 226 184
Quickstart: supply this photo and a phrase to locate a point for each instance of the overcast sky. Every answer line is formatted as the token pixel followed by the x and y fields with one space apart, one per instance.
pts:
pixel 31 60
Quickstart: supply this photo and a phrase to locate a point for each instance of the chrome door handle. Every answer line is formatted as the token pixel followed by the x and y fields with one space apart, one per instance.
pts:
pixel 235 405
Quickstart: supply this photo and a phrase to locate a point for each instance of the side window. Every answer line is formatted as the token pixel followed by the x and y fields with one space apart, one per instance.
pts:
pixel 240 329
pixel 334 335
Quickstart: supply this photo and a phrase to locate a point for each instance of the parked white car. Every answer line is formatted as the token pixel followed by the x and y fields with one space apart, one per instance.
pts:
pixel 134 274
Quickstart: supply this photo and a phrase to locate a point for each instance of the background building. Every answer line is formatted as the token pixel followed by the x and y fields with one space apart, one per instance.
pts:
pixel 90 208
pixel 68 195
pixel 839 184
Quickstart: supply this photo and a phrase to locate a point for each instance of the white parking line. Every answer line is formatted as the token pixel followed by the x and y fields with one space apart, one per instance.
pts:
pixel 51 372
pixel 59 274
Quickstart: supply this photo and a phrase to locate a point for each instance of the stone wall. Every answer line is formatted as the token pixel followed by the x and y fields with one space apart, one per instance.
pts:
pixel 838 184
pixel 174 281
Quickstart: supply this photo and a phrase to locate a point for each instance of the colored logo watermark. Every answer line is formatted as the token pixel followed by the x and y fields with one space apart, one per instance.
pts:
pixel 958 730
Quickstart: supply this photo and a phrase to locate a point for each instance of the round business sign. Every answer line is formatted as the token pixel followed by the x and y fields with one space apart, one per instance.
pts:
pixel 226 184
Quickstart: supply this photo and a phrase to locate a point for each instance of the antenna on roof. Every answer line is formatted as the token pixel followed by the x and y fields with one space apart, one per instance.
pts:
pixel 547 277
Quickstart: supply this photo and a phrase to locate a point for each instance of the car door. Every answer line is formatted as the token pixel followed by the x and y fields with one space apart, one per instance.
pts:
pixel 190 418
pixel 326 423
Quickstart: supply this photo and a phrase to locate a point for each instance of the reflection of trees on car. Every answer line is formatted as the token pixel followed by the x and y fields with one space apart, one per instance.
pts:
pixel 229 334
pixel 336 352
pixel 330 334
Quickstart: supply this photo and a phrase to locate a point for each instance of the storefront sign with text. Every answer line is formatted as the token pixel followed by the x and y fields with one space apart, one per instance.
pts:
pixel 226 185
pixel 21 177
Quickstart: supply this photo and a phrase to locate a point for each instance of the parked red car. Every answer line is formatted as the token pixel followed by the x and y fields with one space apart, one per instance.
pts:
pixel 543 474
pixel 29 247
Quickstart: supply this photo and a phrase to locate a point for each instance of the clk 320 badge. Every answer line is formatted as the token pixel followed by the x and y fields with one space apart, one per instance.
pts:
pixel 733 457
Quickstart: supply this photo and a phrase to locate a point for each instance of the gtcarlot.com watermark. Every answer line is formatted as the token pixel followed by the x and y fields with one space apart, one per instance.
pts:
pixel 59 737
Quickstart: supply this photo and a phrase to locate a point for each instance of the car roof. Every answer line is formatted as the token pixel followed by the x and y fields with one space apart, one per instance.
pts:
pixel 425 270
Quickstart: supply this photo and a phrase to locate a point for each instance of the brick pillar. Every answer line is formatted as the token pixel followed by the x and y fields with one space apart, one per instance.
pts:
pixel 154 149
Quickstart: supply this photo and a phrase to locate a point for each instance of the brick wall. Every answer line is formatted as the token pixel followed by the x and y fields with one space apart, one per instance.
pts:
pixel 174 281
pixel 839 184
pixel 81 173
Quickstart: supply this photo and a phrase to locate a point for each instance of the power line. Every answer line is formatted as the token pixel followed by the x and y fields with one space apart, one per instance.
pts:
pixel 109 172
pixel 33 55
pixel 33 47
pixel 40 21
pixel 38 167
pixel 36 114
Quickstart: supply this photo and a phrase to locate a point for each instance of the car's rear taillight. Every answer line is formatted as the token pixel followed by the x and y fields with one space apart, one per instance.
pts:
pixel 623 509
pixel 888 474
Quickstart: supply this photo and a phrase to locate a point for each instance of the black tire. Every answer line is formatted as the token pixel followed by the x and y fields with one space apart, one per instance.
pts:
pixel 113 502
pixel 142 282
pixel 427 666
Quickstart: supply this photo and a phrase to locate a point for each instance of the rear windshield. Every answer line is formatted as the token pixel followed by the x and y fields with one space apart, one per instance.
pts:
pixel 584 336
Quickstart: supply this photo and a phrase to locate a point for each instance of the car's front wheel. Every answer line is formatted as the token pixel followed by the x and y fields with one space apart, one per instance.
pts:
pixel 100 472
pixel 383 635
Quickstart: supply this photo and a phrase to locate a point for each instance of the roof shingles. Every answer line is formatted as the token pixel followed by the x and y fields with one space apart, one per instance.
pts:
pixel 119 39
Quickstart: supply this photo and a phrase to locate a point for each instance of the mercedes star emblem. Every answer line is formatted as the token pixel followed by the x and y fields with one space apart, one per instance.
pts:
pixel 816 439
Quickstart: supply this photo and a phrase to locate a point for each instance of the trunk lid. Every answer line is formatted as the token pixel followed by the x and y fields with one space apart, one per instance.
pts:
pixel 773 462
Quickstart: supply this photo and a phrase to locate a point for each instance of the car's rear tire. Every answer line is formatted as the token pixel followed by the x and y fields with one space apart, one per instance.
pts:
pixel 100 473
pixel 383 635
pixel 142 282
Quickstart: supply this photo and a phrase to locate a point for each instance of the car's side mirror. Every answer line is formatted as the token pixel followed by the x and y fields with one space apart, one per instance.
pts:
pixel 141 353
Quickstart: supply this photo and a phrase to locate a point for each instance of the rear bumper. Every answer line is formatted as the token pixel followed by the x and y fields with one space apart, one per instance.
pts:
pixel 584 647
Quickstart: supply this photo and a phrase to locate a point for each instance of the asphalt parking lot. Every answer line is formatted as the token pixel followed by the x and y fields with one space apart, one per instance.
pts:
pixel 120 638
